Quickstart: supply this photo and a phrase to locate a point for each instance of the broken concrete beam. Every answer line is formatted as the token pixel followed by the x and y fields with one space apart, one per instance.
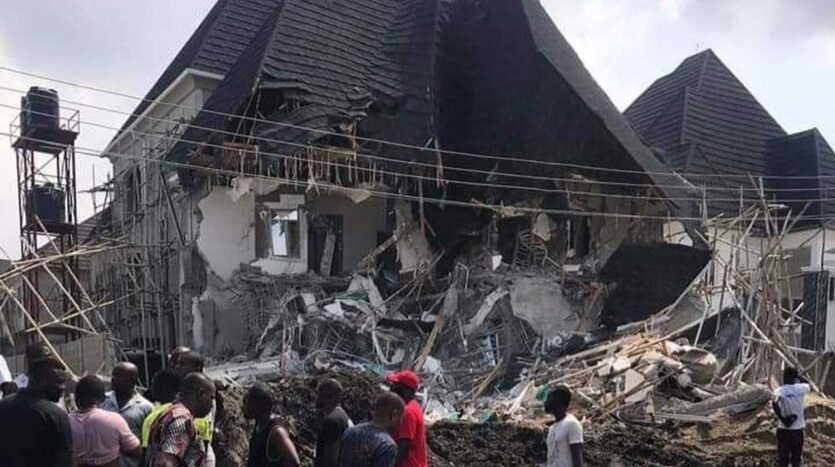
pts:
pixel 745 397
pixel 484 311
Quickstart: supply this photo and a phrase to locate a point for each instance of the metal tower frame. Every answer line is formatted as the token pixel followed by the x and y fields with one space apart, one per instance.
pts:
pixel 47 156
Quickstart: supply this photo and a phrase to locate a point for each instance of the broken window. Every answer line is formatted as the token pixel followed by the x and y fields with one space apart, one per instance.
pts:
pixel 281 227
pixel 284 232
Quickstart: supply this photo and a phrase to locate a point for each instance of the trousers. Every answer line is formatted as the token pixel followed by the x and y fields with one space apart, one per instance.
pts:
pixel 789 447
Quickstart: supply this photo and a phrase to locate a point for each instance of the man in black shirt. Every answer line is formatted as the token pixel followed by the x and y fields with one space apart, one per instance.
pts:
pixel 34 431
pixel 333 423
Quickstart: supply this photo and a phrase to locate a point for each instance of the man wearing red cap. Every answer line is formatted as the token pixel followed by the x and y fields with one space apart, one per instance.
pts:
pixel 411 436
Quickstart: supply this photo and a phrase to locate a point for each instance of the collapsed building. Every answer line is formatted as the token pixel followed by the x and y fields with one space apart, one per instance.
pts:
pixel 281 160
pixel 442 185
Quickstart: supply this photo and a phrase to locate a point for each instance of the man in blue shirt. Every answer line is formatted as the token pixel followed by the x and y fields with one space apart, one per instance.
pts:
pixel 370 444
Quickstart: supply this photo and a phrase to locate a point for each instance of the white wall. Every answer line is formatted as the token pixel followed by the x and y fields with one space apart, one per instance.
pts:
pixel 804 246
pixel 227 230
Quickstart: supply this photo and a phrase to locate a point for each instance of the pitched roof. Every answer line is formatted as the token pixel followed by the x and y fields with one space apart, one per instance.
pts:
pixel 214 46
pixel 702 103
pixel 805 154
pixel 706 123
pixel 335 58
pixel 409 66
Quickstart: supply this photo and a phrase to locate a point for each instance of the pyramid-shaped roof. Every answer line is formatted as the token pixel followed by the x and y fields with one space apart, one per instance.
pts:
pixel 702 103
pixel 711 128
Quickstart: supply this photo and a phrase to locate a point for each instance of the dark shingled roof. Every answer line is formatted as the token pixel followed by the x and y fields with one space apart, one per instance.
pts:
pixel 493 77
pixel 216 44
pixel 804 154
pixel 335 58
pixel 705 121
pixel 702 103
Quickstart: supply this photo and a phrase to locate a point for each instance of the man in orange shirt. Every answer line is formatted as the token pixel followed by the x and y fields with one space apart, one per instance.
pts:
pixel 411 436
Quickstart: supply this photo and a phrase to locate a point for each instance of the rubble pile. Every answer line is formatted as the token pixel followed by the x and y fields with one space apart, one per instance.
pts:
pixel 664 371
pixel 743 439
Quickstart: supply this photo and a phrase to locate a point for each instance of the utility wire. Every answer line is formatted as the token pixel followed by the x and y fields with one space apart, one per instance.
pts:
pixel 399 196
pixel 378 157
pixel 451 169
pixel 406 175
pixel 375 140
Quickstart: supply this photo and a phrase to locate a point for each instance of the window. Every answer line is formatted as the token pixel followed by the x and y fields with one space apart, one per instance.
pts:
pixel 285 232
pixel 832 289
pixel 281 227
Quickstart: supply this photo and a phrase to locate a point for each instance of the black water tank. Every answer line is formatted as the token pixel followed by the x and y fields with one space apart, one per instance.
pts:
pixel 47 203
pixel 39 108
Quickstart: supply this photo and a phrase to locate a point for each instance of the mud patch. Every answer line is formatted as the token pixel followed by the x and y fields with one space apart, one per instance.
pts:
pixel 295 404
pixel 493 445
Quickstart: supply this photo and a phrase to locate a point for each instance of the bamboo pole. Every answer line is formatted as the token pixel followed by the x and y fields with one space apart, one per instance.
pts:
pixel 37 327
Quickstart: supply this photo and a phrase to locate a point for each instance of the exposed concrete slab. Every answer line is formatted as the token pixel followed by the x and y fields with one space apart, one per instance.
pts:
pixel 540 302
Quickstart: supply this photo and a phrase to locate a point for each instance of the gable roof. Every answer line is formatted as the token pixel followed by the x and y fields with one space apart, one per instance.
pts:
pixel 214 46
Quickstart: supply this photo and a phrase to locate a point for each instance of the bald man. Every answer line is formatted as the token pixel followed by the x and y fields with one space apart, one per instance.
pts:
pixel 125 401
pixel 174 440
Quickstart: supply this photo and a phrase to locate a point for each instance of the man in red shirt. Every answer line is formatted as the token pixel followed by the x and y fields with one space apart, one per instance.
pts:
pixel 411 436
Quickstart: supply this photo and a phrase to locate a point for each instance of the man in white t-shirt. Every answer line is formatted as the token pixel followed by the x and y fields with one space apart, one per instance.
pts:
pixel 565 438
pixel 788 405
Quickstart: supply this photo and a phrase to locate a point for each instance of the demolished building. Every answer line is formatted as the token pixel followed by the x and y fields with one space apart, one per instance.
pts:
pixel 322 159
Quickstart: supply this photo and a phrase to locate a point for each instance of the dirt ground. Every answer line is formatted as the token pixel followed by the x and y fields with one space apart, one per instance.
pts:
pixel 295 405
pixel 739 441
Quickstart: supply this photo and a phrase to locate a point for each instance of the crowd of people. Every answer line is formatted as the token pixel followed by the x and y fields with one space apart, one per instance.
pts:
pixel 173 423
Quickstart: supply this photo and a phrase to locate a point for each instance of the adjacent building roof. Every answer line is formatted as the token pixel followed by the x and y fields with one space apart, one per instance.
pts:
pixel 708 126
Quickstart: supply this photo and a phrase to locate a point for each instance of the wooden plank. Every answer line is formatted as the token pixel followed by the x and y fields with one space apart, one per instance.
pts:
pixel 327 254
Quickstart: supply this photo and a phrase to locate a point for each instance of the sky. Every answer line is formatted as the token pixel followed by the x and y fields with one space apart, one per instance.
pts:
pixel 782 50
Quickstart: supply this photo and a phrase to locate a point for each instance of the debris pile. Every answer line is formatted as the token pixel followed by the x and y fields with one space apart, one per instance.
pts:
pixel 667 364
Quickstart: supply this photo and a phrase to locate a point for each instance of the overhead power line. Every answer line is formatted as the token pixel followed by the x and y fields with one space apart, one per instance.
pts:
pixel 704 189
pixel 377 140
pixel 450 181
pixel 378 157
pixel 406 175
pixel 401 196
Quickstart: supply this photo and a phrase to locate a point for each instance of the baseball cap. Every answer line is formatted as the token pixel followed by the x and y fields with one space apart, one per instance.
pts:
pixel 406 378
